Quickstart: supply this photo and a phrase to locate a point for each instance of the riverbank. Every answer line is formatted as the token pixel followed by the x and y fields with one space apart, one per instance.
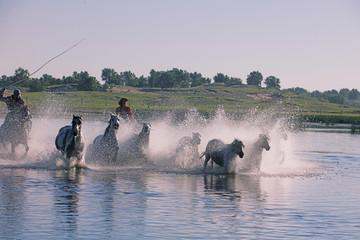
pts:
pixel 206 100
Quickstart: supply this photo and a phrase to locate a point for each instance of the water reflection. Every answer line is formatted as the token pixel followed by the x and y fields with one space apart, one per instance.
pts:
pixel 234 187
pixel 223 185
pixel 12 203
pixel 236 202
pixel 132 201
pixel 121 203
pixel 66 200
pixel 108 190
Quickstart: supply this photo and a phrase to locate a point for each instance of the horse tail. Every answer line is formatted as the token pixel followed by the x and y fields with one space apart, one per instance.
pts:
pixel 202 155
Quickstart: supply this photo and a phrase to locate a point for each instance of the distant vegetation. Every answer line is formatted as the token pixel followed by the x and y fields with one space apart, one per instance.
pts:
pixel 171 79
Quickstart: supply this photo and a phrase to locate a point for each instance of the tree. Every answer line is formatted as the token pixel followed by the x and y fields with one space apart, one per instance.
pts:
pixel 344 92
pixel 70 80
pixel 318 95
pixel 354 94
pixel 234 81
pixel 153 78
pixel 86 82
pixel 36 85
pixel 333 96
pixel 48 80
pixel 129 79
pixel 298 91
pixel 5 81
pixel 254 78
pixel 196 79
pixel 21 74
pixel 143 81
pixel 272 82
pixel 111 77
pixel 221 78
pixel 165 80
pixel 181 78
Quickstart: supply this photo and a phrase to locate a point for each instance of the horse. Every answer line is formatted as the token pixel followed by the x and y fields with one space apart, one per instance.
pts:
pixel 253 160
pixel 222 154
pixel 187 150
pixel 105 146
pixel 71 143
pixel 16 129
pixel 135 149
pixel 141 141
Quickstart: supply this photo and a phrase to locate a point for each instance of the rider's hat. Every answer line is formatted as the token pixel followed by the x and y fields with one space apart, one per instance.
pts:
pixel 16 92
pixel 123 100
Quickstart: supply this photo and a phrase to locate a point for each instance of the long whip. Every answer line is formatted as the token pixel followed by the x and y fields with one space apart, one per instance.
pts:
pixel 47 63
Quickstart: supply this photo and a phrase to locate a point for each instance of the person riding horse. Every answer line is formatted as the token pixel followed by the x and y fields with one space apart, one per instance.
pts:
pixel 124 111
pixel 17 125
pixel 18 111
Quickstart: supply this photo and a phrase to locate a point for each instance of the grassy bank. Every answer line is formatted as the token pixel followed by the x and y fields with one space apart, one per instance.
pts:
pixel 236 100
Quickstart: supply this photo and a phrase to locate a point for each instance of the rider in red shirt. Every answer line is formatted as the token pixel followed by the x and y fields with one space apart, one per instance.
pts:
pixel 124 111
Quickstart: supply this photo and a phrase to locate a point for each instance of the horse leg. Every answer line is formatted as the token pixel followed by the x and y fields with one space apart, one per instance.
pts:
pixel 80 160
pixel 26 149
pixel 13 146
pixel 67 157
pixel 207 158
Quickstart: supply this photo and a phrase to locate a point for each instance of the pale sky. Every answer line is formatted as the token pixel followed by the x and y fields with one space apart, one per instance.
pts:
pixel 313 44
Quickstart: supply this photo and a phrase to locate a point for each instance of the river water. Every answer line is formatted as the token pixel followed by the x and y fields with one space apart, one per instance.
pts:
pixel 308 187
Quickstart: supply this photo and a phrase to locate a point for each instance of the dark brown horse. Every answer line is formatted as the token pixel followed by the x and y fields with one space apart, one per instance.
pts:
pixel 16 129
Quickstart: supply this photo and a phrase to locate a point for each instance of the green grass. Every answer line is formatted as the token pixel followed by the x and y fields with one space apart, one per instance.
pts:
pixel 235 100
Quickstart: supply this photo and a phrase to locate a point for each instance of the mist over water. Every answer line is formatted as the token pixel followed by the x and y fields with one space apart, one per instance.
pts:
pixel 165 135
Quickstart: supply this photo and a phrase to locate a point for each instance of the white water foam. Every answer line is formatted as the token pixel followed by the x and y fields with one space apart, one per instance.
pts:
pixel 164 137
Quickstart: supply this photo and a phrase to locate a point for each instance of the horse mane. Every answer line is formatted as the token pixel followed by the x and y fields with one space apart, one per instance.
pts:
pixel 107 129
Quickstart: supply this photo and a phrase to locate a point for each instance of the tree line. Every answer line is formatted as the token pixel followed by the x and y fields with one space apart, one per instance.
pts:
pixel 333 96
pixel 175 78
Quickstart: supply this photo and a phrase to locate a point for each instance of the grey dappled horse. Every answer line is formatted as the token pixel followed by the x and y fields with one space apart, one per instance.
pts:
pixel 16 129
pixel 105 147
pixel 222 154
pixel 71 143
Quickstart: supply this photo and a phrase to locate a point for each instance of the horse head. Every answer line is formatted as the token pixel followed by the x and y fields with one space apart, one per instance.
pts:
pixel 76 124
pixel 114 122
pixel 146 128
pixel 196 138
pixel 237 147
pixel 263 142
pixel 24 112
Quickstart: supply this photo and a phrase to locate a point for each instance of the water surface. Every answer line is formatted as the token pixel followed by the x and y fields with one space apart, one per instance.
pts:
pixel 307 188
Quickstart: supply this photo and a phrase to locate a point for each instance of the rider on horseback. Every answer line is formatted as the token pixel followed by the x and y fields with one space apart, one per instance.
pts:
pixel 17 124
pixel 15 104
pixel 124 111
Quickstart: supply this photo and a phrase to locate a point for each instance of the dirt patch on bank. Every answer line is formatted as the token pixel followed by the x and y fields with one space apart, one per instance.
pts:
pixel 259 96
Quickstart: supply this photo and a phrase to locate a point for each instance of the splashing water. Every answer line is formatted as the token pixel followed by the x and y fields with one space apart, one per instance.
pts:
pixel 165 135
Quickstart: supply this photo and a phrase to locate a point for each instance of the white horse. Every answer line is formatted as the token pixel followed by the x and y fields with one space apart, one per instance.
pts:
pixel 187 151
pixel 253 159
pixel 135 149
pixel 71 143
pixel 105 146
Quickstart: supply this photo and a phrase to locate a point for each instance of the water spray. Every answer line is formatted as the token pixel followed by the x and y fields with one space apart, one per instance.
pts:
pixel 46 63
